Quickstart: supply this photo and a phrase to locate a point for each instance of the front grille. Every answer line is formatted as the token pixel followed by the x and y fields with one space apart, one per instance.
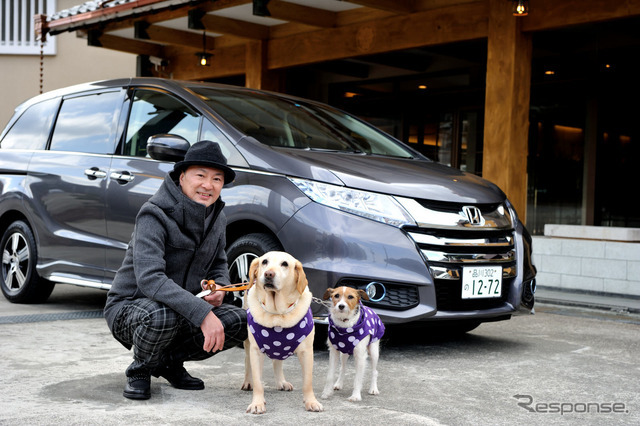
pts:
pixel 449 239
pixel 398 296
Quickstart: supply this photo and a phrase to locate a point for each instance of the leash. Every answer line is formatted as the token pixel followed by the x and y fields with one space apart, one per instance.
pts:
pixel 325 303
pixel 209 287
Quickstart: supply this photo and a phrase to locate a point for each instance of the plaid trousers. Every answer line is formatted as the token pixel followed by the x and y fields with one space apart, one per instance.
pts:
pixel 160 336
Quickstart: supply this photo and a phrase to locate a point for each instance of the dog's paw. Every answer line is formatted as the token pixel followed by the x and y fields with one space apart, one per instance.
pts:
pixel 355 397
pixel 337 386
pixel 246 386
pixel 374 391
pixel 284 386
pixel 326 394
pixel 313 405
pixel 257 407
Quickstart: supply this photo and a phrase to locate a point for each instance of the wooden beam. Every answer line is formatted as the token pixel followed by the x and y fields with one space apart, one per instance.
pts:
pixel 397 6
pixel 218 24
pixel 507 99
pixel 450 24
pixel 168 35
pixel 257 76
pixel 123 44
pixel 76 21
pixel 550 14
pixel 303 14
pixel 114 18
pixel 226 62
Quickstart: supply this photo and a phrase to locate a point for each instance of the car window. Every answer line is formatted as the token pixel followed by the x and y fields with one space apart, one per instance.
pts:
pixel 31 130
pixel 154 113
pixel 282 122
pixel 212 133
pixel 87 123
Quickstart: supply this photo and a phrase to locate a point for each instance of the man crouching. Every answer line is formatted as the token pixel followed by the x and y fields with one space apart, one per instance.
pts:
pixel 178 240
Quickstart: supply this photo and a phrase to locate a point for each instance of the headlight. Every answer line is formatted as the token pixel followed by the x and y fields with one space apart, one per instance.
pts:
pixel 379 207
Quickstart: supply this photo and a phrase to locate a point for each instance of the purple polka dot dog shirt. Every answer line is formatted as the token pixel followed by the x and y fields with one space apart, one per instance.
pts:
pixel 346 339
pixel 277 342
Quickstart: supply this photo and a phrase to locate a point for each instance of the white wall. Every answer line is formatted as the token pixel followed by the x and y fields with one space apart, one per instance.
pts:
pixel 74 62
pixel 588 265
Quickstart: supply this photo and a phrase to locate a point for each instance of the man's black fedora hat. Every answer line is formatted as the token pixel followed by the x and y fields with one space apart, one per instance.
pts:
pixel 208 154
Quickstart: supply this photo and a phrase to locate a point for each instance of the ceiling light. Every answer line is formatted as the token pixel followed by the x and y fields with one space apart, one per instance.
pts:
pixel 204 59
pixel 520 7
pixel 204 56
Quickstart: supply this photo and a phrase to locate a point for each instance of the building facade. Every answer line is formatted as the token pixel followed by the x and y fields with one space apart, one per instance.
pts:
pixel 27 67
pixel 540 104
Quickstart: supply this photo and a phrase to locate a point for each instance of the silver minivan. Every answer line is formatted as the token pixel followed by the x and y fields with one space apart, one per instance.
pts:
pixel 356 206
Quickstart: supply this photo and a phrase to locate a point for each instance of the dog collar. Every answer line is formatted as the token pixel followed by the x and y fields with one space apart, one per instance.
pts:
pixel 289 309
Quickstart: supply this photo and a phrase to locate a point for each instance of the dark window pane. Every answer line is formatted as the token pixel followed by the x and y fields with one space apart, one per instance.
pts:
pixel 154 113
pixel 31 131
pixel 87 124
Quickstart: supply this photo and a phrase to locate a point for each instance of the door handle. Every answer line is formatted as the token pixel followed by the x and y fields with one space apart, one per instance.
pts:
pixel 122 177
pixel 95 173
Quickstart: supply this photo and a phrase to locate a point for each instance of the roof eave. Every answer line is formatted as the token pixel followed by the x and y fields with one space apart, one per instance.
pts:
pixel 45 26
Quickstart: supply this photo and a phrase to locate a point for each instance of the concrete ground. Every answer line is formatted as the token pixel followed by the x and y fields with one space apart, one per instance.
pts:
pixel 60 365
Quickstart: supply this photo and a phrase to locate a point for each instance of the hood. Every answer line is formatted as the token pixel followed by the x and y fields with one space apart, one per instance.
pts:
pixel 413 178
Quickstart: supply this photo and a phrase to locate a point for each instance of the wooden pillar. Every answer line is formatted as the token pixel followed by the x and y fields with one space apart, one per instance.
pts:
pixel 589 168
pixel 506 126
pixel 257 75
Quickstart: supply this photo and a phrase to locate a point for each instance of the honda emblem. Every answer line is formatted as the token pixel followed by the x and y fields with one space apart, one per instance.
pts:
pixel 473 215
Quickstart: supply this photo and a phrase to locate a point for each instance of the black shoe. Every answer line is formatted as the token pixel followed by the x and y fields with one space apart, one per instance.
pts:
pixel 138 387
pixel 178 377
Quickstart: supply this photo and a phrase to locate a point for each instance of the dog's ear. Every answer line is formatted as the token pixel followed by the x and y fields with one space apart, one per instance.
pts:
pixel 328 294
pixel 363 294
pixel 301 278
pixel 253 271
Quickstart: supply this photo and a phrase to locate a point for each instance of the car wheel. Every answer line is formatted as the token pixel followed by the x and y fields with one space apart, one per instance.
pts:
pixel 246 248
pixel 19 280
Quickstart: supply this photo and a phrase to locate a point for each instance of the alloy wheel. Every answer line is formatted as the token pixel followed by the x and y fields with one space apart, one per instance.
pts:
pixel 15 261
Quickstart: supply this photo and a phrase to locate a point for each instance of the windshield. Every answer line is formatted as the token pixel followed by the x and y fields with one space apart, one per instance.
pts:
pixel 282 122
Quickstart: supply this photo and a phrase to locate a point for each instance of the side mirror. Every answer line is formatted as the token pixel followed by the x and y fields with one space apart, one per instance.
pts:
pixel 167 147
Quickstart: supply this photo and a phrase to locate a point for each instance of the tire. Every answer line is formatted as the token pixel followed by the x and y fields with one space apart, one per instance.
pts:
pixel 241 253
pixel 19 279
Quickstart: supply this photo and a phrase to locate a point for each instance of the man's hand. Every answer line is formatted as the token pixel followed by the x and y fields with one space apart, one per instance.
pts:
pixel 213 333
pixel 215 298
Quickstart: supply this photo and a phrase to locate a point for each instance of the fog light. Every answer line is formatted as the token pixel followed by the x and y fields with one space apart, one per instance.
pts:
pixel 376 291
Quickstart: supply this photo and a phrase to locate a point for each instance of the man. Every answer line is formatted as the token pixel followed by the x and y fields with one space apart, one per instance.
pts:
pixel 178 241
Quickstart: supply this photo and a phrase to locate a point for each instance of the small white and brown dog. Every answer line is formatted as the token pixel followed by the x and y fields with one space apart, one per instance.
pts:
pixel 353 329
pixel 280 324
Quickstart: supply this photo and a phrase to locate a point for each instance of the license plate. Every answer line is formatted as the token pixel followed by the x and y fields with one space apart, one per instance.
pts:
pixel 481 282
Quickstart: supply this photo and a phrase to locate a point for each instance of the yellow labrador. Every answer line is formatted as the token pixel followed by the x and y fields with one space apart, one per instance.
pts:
pixel 280 324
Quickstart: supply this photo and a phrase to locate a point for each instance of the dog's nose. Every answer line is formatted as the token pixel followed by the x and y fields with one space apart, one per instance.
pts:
pixel 341 306
pixel 269 274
